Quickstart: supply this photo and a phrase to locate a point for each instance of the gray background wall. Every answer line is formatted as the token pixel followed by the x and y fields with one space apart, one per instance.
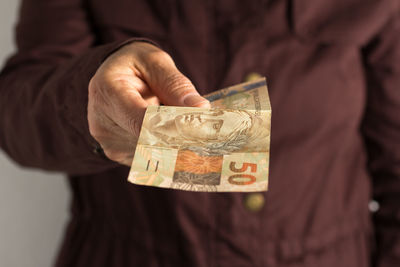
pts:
pixel 33 204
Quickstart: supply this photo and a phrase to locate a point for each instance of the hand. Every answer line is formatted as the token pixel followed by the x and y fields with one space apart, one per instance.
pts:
pixel 135 76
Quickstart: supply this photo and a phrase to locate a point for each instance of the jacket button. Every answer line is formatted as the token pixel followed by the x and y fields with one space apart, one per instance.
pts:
pixel 254 201
pixel 252 76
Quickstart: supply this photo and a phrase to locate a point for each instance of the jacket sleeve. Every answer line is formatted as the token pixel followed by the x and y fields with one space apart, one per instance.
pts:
pixel 381 129
pixel 43 88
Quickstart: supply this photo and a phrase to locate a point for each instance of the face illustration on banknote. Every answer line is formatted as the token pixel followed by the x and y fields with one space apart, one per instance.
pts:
pixel 209 131
pixel 212 126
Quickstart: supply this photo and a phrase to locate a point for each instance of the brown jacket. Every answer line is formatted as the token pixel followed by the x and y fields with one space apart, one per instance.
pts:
pixel 334 76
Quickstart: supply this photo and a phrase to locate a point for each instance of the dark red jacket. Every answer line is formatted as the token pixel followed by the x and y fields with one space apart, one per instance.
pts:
pixel 333 68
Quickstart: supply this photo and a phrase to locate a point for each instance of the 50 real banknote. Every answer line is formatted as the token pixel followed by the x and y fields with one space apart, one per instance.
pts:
pixel 221 149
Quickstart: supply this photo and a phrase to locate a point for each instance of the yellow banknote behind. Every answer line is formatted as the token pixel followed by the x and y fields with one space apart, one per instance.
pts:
pixel 222 149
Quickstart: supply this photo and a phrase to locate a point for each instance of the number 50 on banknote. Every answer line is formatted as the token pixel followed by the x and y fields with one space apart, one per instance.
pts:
pixel 221 149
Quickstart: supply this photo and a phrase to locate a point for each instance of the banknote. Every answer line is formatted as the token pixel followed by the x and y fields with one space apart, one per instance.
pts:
pixel 224 148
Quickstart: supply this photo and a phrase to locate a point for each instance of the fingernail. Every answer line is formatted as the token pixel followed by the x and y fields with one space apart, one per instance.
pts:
pixel 194 100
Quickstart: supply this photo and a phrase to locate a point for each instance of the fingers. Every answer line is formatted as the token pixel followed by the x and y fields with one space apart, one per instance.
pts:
pixel 121 101
pixel 168 83
pixel 113 122
pixel 132 78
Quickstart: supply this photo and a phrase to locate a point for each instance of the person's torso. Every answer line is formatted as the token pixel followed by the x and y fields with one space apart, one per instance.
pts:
pixel 315 212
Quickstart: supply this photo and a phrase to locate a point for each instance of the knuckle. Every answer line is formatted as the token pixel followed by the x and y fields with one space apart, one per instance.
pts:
pixel 119 84
pixel 95 91
pixel 159 56
pixel 102 95
pixel 97 128
pixel 96 131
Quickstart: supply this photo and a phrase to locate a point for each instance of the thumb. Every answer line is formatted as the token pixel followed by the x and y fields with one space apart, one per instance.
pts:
pixel 168 83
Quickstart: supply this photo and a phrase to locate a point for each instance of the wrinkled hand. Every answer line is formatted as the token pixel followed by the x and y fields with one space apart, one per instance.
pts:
pixel 135 76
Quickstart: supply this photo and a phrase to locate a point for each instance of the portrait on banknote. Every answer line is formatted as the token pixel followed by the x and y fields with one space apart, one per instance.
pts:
pixel 206 132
